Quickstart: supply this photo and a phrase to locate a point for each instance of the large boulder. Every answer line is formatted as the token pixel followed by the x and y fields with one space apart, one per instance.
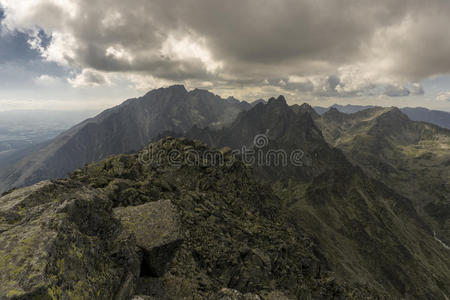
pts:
pixel 158 233
pixel 61 241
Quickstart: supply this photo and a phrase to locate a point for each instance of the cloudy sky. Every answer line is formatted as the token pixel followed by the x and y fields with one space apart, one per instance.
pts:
pixel 92 54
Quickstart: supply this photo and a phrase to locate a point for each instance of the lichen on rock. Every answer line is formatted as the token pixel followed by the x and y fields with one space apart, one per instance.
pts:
pixel 65 244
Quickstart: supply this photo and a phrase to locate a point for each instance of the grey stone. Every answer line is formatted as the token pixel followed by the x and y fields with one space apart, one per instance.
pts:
pixel 158 232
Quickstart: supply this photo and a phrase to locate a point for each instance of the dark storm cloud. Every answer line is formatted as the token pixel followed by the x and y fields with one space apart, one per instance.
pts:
pixel 264 35
pixel 268 32
pixel 390 43
pixel 159 66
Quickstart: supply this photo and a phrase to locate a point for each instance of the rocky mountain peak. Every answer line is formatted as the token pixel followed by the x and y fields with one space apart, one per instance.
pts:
pixel 258 101
pixel 333 110
pixel 305 108
pixel 231 99
pixel 334 115
pixel 278 101
pixel 177 89
pixel 393 118
pixel 396 112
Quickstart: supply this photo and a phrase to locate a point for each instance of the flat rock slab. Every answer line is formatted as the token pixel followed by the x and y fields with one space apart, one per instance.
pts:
pixel 158 233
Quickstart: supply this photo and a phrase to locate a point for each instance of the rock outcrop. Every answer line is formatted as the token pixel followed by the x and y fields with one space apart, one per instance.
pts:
pixel 158 233
pixel 60 241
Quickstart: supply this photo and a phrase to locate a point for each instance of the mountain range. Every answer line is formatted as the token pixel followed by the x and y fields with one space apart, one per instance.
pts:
pixel 129 126
pixel 363 213
pixel 410 157
pixel 437 117
pixel 349 211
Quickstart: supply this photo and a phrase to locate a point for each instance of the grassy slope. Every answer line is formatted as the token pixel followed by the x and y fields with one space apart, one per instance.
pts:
pixel 370 234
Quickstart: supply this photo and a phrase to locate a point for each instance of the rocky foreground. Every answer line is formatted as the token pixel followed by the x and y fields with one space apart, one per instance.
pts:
pixel 120 229
pixel 128 228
